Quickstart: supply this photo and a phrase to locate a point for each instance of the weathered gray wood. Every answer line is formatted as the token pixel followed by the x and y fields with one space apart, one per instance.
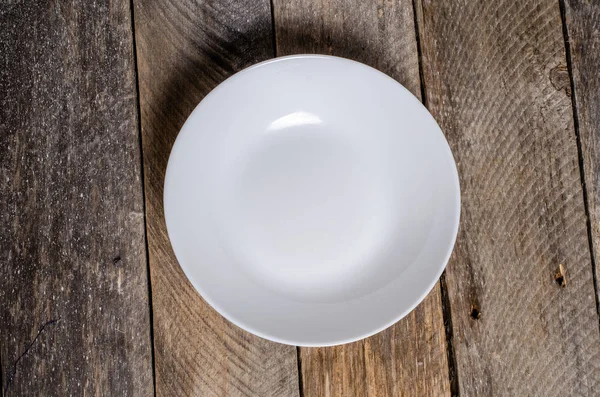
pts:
pixel 582 19
pixel 492 73
pixel 74 313
pixel 185 48
pixel 408 359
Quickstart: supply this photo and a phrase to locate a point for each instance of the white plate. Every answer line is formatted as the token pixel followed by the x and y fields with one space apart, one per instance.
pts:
pixel 312 200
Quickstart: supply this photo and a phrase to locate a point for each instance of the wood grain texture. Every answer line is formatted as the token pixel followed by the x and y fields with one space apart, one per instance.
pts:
pixel 185 48
pixel 378 33
pixel 409 358
pixel 582 20
pixel 74 313
pixel 494 75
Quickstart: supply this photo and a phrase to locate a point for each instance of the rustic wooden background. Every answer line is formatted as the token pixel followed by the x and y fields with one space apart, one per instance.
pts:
pixel 92 95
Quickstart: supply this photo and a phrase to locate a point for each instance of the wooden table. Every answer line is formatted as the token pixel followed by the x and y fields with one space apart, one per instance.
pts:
pixel 93 93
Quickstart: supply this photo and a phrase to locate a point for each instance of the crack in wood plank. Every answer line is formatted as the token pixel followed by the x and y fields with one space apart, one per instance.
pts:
pixel 13 372
pixel 583 19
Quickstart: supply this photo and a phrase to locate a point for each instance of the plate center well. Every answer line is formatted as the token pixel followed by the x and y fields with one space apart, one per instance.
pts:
pixel 309 214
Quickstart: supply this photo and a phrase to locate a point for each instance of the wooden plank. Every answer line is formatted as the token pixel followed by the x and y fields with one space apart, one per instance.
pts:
pixel 410 357
pixel 582 20
pixel 74 314
pixel 490 73
pixel 185 48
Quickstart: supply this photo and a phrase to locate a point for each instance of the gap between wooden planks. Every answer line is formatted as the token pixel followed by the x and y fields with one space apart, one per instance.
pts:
pixel 582 34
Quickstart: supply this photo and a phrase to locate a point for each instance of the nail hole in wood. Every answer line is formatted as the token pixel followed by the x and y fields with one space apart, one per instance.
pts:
pixel 117 261
pixel 475 313
pixel 561 276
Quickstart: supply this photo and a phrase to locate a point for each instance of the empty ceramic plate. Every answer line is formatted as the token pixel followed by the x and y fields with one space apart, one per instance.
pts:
pixel 312 200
